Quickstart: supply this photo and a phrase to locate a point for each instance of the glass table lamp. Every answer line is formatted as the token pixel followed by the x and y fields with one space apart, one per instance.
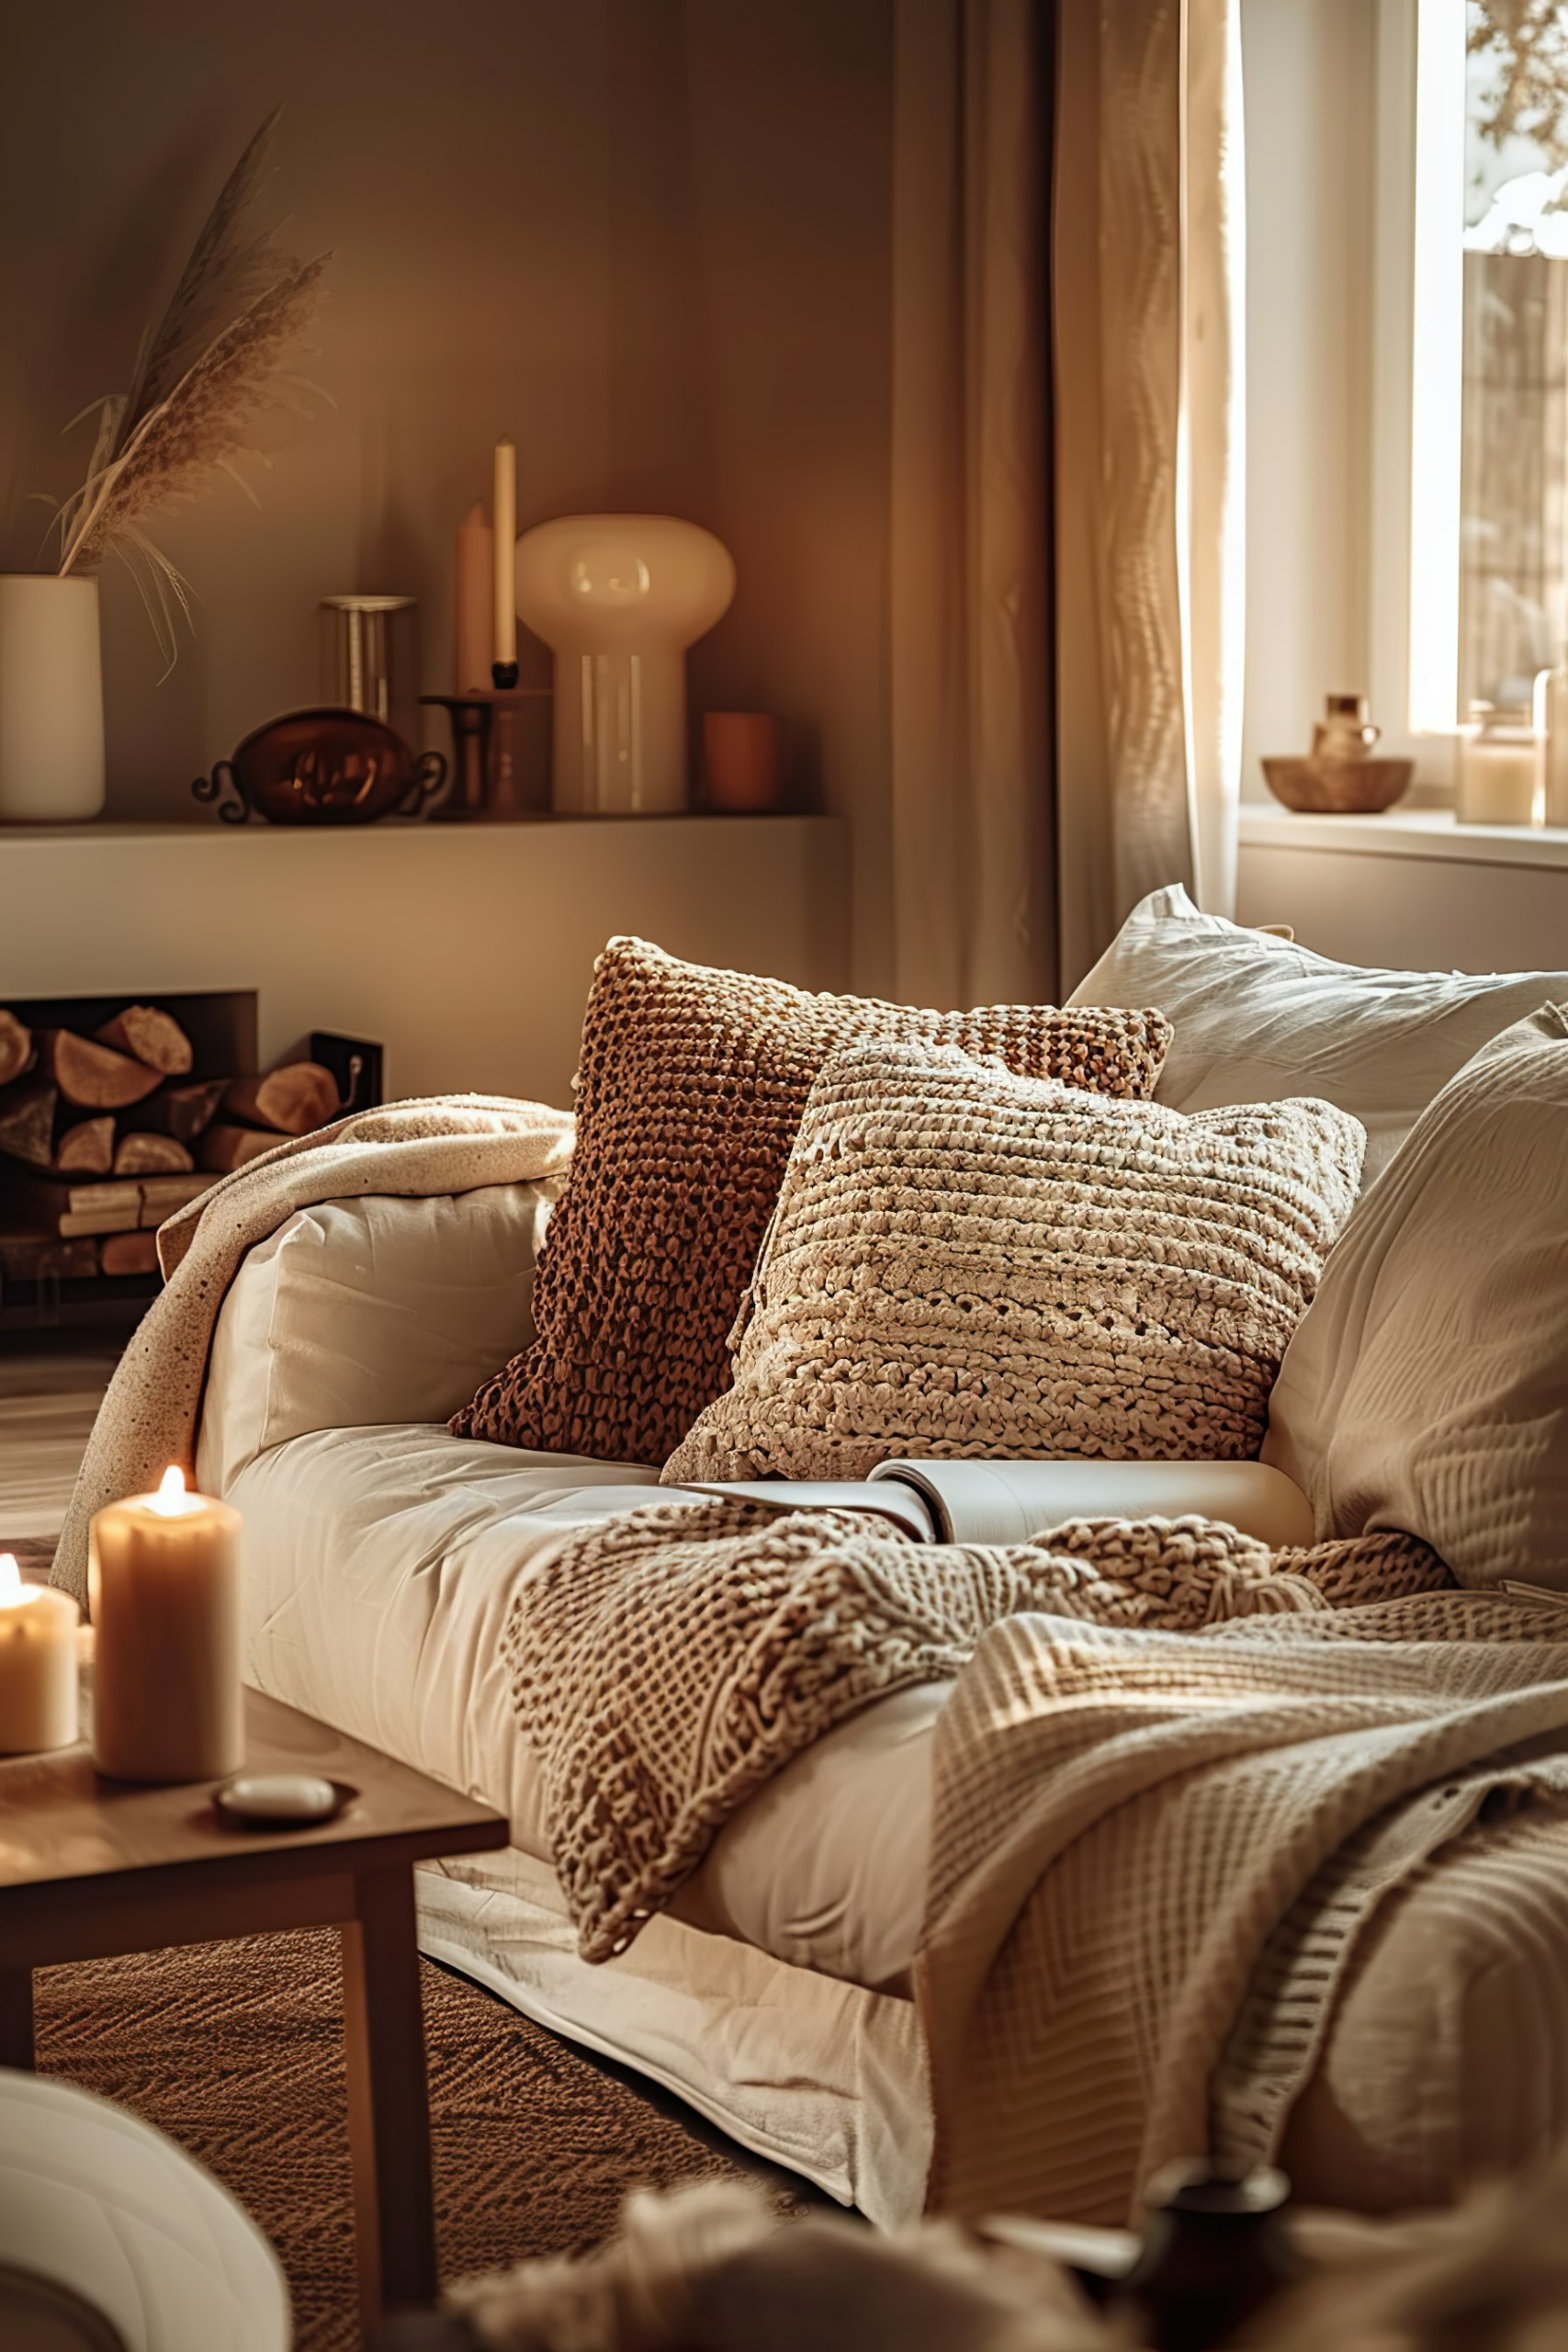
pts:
pixel 619 598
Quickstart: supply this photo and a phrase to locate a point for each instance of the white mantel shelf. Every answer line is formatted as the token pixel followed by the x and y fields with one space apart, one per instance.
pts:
pixel 465 949
pixel 1405 832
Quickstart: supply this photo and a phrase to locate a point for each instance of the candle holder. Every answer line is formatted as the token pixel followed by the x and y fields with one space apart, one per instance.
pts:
pixel 497 780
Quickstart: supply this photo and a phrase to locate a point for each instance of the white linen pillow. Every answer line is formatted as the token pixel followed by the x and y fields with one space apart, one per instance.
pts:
pixel 361 1312
pixel 964 1262
pixel 1427 1385
pixel 1258 1017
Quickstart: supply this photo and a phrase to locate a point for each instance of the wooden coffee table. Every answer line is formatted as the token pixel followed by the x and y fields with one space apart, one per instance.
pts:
pixel 90 1868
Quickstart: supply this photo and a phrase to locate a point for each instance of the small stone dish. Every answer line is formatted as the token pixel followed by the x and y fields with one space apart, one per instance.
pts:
pixel 281 1800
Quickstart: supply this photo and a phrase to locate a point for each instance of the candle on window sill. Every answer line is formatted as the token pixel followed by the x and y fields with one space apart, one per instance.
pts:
pixel 504 670
pixel 1499 771
pixel 163 1586
pixel 38 1663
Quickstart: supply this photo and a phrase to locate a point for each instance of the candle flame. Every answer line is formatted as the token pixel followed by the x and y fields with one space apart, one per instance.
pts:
pixel 170 1499
pixel 10 1580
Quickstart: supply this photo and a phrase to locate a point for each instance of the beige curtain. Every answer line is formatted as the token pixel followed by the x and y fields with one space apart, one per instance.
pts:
pixel 973 851
pixel 1147 262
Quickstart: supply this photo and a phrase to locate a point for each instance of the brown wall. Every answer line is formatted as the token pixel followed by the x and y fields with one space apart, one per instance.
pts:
pixel 649 239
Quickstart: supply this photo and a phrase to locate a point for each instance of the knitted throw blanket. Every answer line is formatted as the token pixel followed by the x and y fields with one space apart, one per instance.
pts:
pixel 444 1144
pixel 665 1664
pixel 1151 1857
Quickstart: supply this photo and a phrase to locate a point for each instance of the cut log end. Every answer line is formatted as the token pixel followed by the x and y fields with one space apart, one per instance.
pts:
pixel 129 1253
pixel 144 1154
pixel 224 1148
pixel 182 1110
pixel 94 1077
pixel 87 1149
pixel 150 1036
pixel 293 1100
pixel 16 1047
pixel 26 1123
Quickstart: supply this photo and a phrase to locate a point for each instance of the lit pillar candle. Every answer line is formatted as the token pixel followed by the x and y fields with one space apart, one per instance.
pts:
pixel 505 511
pixel 163 1586
pixel 38 1663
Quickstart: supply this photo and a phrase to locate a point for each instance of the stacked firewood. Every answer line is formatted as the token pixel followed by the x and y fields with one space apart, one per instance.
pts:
pixel 103 1137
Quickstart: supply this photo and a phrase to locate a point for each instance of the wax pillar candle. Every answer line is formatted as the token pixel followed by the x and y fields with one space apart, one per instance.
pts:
pixel 163 1586
pixel 1498 777
pixel 474 590
pixel 505 513
pixel 38 1663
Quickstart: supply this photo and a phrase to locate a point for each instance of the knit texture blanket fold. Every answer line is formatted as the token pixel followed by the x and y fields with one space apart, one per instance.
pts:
pixel 665 1664
pixel 1176 1775
pixel 1151 1857
pixel 451 1143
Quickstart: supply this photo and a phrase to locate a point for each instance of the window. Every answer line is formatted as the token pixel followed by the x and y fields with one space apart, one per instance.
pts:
pixel 1488 412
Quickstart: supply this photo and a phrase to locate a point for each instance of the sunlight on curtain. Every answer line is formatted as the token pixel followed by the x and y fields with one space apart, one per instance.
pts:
pixel 969 630
pixel 1147 286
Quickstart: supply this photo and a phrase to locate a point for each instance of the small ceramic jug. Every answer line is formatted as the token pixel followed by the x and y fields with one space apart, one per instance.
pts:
pixel 1343 733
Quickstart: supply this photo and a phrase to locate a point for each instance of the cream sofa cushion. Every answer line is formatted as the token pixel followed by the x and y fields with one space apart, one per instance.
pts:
pixel 968 1262
pixel 1256 1017
pixel 367 1311
pixel 1427 1385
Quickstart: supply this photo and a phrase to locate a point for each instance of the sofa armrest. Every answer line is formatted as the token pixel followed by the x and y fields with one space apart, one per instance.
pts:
pixel 361 1312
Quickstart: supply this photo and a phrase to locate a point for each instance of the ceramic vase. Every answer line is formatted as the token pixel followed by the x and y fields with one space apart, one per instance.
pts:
pixel 51 700
pixel 619 598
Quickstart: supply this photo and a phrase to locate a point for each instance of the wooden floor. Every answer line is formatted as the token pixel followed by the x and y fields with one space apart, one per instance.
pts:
pixel 50 1391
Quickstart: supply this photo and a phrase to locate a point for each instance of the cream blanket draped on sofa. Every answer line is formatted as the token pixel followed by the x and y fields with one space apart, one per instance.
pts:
pixel 1172 1783
pixel 1151 1857
pixel 451 1142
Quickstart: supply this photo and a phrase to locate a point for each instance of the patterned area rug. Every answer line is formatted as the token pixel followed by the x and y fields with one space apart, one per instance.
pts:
pixel 236 2051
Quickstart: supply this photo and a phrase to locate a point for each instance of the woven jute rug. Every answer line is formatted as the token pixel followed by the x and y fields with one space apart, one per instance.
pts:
pixel 235 2049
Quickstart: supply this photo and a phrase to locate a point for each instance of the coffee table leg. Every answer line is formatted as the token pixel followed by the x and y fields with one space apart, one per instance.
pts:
pixel 16 2017
pixel 388 2100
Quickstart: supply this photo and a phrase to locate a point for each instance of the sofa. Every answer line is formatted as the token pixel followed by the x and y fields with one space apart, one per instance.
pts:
pixel 384 1556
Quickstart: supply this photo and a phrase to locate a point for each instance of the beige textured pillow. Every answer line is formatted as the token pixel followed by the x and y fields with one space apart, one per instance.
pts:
pixel 965 1261
pixel 1428 1387
pixel 690 1087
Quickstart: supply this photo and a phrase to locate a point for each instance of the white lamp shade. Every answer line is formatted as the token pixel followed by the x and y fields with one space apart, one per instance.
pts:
pixel 619 598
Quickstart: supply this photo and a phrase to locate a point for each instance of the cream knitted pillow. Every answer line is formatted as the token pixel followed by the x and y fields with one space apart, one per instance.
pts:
pixel 965 1261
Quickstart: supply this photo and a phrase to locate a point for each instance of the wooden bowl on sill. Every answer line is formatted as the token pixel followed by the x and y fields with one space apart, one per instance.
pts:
pixel 1338 787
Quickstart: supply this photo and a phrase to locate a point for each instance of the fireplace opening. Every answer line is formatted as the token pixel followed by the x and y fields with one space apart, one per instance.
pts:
pixel 115 1113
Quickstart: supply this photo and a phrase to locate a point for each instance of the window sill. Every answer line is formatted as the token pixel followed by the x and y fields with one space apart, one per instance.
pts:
pixel 1405 832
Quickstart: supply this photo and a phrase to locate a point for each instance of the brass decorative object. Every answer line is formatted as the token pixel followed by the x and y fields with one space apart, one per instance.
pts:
pixel 321 767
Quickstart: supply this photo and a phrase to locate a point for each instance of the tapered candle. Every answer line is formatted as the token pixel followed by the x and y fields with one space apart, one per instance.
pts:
pixel 38 1663
pixel 473 597
pixel 163 1586
pixel 504 510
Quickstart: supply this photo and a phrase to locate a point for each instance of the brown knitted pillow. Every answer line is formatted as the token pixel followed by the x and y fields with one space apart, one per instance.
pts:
pixel 690 1087
pixel 969 1263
